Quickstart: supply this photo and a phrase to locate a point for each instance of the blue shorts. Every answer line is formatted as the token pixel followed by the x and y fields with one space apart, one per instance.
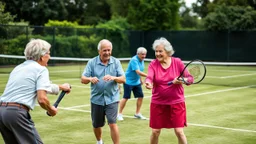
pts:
pixel 137 91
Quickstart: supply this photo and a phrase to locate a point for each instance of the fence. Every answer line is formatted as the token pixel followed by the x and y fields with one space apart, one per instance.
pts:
pixel 226 46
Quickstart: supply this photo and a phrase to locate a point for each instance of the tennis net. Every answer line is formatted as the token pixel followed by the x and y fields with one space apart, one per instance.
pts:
pixel 231 74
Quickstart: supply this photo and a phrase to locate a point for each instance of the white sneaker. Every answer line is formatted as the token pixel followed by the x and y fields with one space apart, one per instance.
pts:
pixel 139 116
pixel 120 117
pixel 100 142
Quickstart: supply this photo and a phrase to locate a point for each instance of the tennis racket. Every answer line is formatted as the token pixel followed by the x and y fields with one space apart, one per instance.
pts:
pixel 196 68
pixel 62 94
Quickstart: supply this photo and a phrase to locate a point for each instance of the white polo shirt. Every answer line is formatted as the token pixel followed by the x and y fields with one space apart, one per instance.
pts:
pixel 24 81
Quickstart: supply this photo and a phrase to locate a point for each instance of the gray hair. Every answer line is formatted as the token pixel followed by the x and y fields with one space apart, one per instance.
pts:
pixel 102 41
pixel 141 50
pixel 167 45
pixel 36 48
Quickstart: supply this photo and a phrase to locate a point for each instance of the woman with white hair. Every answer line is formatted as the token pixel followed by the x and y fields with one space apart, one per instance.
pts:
pixel 28 82
pixel 167 108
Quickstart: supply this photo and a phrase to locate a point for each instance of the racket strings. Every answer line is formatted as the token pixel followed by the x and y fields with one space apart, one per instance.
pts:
pixel 197 70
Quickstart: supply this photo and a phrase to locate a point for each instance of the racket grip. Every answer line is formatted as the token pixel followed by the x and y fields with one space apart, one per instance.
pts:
pixel 58 100
pixel 48 114
pixel 170 83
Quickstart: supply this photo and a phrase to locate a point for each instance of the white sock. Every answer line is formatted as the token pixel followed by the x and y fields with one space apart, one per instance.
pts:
pixel 100 142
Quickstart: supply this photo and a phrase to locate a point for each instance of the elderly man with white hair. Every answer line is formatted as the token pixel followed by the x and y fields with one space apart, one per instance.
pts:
pixel 28 82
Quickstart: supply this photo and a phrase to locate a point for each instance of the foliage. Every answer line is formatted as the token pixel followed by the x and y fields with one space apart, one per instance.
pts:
pixel 231 18
pixel 120 7
pixel 72 46
pixel 64 23
pixel 200 7
pixel 37 12
pixel 187 19
pixel 15 46
pixel 96 12
pixel 204 7
pixel 115 32
pixel 5 17
pixel 64 28
pixel 154 15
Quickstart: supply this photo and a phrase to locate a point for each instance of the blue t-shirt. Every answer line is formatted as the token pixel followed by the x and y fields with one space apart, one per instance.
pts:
pixel 104 93
pixel 132 78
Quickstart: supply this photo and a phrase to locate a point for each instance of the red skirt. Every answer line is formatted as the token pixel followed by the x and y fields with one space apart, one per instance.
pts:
pixel 168 116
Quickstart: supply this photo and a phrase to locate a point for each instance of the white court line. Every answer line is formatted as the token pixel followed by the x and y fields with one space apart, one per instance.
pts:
pixel 63 71
pixel 199 94
pixel 79 106
pixel 219 91
pixel 72 79
pixel 193 124
pixel 212 92
pixel 199 125
pixel 3 74
pixel 225 77
pixel 213 77
pixel 232 70
pixel 225 128
pixel 232 76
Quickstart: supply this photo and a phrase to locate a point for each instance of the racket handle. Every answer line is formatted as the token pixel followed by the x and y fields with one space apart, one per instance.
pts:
pixel 48 114
pixel 58 100
pixel 170 83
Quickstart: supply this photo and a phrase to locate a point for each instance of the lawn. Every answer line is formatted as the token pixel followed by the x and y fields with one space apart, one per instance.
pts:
pixel 220 110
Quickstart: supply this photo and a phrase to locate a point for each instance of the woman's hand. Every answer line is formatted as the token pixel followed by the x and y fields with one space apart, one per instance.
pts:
pixel 177 81
pixel 148 85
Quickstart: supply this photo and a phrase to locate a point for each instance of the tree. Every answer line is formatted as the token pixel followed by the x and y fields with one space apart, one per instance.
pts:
pixel 96 12
pixel 187 19
pixel 36 12
pixel 120 7
pixel 154 15
pixel 200 7
pixel 231 18
pixel 5 18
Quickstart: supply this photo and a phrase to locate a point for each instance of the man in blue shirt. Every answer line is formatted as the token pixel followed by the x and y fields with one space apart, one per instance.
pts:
pixel 133 83
pixel 104 72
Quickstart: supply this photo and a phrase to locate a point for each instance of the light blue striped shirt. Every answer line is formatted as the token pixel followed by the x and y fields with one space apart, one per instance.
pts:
pixel 104 93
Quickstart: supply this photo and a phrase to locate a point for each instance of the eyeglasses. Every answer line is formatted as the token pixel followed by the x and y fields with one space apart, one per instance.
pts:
pixel 48 53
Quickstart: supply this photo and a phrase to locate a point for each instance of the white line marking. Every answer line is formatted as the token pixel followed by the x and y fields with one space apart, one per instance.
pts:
pixel 193 124
pixel 3 74
pixel 81 86
pixel 225 70
pixel 63 71
pixel 212 92
pixel 78 110
pixel 213 77
pixel 219 91
pixel 218 127
pixel 242 75
pixel 79 106
pixel 77 79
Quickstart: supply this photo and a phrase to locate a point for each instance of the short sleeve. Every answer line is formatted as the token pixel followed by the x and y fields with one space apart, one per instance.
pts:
pixel 43 81
pixel 88 69
pixel 134 65
pixel 120 71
